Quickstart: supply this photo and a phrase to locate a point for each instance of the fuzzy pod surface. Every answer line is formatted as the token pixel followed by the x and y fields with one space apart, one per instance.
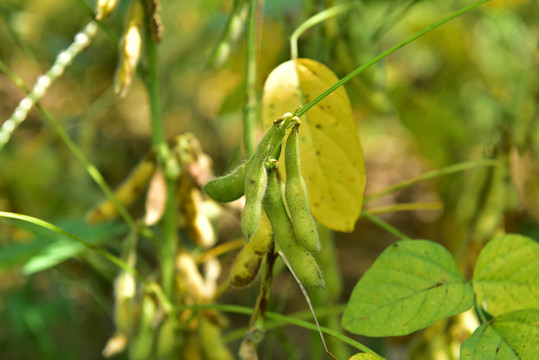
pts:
pixel 297 198
pixel 247 264
pixel 302 262
pixel 228 187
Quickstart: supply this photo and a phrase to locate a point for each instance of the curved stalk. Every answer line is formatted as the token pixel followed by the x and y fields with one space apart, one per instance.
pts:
pixel 171 169
pixel 76 150
pixel 313 20
pixel 389 51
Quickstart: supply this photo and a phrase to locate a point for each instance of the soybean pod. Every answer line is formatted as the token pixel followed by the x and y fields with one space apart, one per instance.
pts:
pixel 229 187
pixel 302 262
pixel 255 187
pixel 296 196
pixel 257 176
pixel 247 263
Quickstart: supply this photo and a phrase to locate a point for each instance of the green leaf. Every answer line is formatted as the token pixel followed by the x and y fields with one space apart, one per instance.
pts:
pixel 506 276
pixel 49 248
pixel 413 284
pixel 365 356
pixel 331 155
pixel 513 335
pixel 61 248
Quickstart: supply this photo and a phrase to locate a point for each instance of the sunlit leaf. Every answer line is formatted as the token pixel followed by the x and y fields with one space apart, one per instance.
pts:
pixel 506 276
pixel 412 285
pixel 331 156
pixel 513 335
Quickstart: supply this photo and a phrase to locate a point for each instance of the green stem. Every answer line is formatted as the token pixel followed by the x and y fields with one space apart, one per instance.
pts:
pixel 170 169
pixel 75 149
pixel 249 117
pixel 333 310
pixel 431 175
pixel 391 17
pixel 405 207
pixel 168 248
pixel 313 20
pixel 265 285
pixel 384 225
pixel 230 34
pixel 158 132
pixel 392 49
pixel 277 317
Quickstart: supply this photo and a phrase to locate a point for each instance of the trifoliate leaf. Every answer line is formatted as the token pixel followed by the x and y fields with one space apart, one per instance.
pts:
pixel 412 285
pixel 506 276
pixel 513 335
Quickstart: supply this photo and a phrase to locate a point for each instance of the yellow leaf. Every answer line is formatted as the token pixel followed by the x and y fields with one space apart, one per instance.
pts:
pixel 331 156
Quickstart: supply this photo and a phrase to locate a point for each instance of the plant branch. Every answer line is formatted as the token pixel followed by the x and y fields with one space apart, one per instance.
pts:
pixel 404 207
pixel 431 175
pixel 389 51
pixel 249 116
pixel 279 318
pixel 171 170
pixel 313 20
pixel 384 225
pixel 75 149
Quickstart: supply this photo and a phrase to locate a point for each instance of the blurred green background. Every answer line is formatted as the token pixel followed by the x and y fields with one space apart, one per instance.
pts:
pixel 465 91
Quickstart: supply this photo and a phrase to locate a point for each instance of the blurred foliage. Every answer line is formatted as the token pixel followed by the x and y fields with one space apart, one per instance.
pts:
pixel 467 90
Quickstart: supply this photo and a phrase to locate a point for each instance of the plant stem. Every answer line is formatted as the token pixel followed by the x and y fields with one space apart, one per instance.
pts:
pixel 158 131
pixel 233 28
pixel 75 149
pixel 249 116
pixel 384 225
pixel 392 49
pixel 313 20
pixel 405 207
pixel 431 175
pixel 277 317
pixel 333 310
pixel 170 168
pixel 65 58
pixel 262 299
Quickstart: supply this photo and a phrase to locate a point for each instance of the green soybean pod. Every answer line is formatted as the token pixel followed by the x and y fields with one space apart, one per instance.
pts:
pixel 257 176
pixel 232 186
pixel 304 266
pixel 297 198
pixel 302 262
pixel 228 187
pixel 255 187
